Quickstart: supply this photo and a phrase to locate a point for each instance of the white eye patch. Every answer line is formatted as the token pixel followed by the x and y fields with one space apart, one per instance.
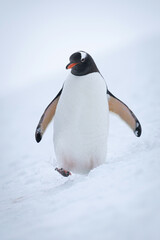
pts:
pixel 83 55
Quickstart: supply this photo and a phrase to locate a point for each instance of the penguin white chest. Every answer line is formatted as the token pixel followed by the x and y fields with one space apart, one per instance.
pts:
pixel 81 123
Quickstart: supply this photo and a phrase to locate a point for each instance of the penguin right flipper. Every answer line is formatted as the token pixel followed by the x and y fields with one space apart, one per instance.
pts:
pixel 47 117
pixel 118 107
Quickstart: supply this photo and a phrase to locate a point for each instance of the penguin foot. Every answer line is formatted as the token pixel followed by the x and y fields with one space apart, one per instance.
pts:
pixel 63 172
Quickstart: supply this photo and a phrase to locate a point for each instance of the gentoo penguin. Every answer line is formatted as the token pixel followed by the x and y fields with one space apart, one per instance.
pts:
pixel 81 115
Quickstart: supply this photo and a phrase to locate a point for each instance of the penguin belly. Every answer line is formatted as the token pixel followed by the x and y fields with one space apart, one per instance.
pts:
pixel 81 123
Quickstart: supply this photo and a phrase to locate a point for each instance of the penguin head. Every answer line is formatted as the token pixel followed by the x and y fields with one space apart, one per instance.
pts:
pixel 81 63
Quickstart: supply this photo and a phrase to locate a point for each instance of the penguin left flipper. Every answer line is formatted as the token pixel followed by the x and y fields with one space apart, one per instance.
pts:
pixel 47 117
pixel 118 107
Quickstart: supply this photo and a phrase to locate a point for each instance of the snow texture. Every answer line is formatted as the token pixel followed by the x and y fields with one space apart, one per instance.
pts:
pixel 119 199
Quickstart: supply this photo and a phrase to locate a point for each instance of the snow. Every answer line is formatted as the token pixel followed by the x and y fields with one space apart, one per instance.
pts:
pixel 37 37
pixel 121 198
pixel 118 200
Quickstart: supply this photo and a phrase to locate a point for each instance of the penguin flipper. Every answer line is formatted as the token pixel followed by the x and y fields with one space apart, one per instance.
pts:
pixel 47 117
pixel 118 107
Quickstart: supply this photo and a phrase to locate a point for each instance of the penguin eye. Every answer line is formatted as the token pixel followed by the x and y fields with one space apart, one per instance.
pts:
pixel 83 60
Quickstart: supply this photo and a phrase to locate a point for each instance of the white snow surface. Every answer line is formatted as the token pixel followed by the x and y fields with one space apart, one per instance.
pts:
pixel 119 199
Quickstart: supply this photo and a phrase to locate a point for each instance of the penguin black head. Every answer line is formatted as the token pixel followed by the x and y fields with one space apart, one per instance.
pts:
pixel 81 64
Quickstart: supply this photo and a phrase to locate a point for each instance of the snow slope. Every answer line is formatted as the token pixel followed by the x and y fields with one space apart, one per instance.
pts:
pixel 118 200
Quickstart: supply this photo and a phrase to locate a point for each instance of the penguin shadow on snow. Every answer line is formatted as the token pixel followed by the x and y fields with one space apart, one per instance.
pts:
pixel 69 183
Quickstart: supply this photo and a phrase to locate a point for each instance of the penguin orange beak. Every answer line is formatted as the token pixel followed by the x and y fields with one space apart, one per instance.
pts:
pixel 71 65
